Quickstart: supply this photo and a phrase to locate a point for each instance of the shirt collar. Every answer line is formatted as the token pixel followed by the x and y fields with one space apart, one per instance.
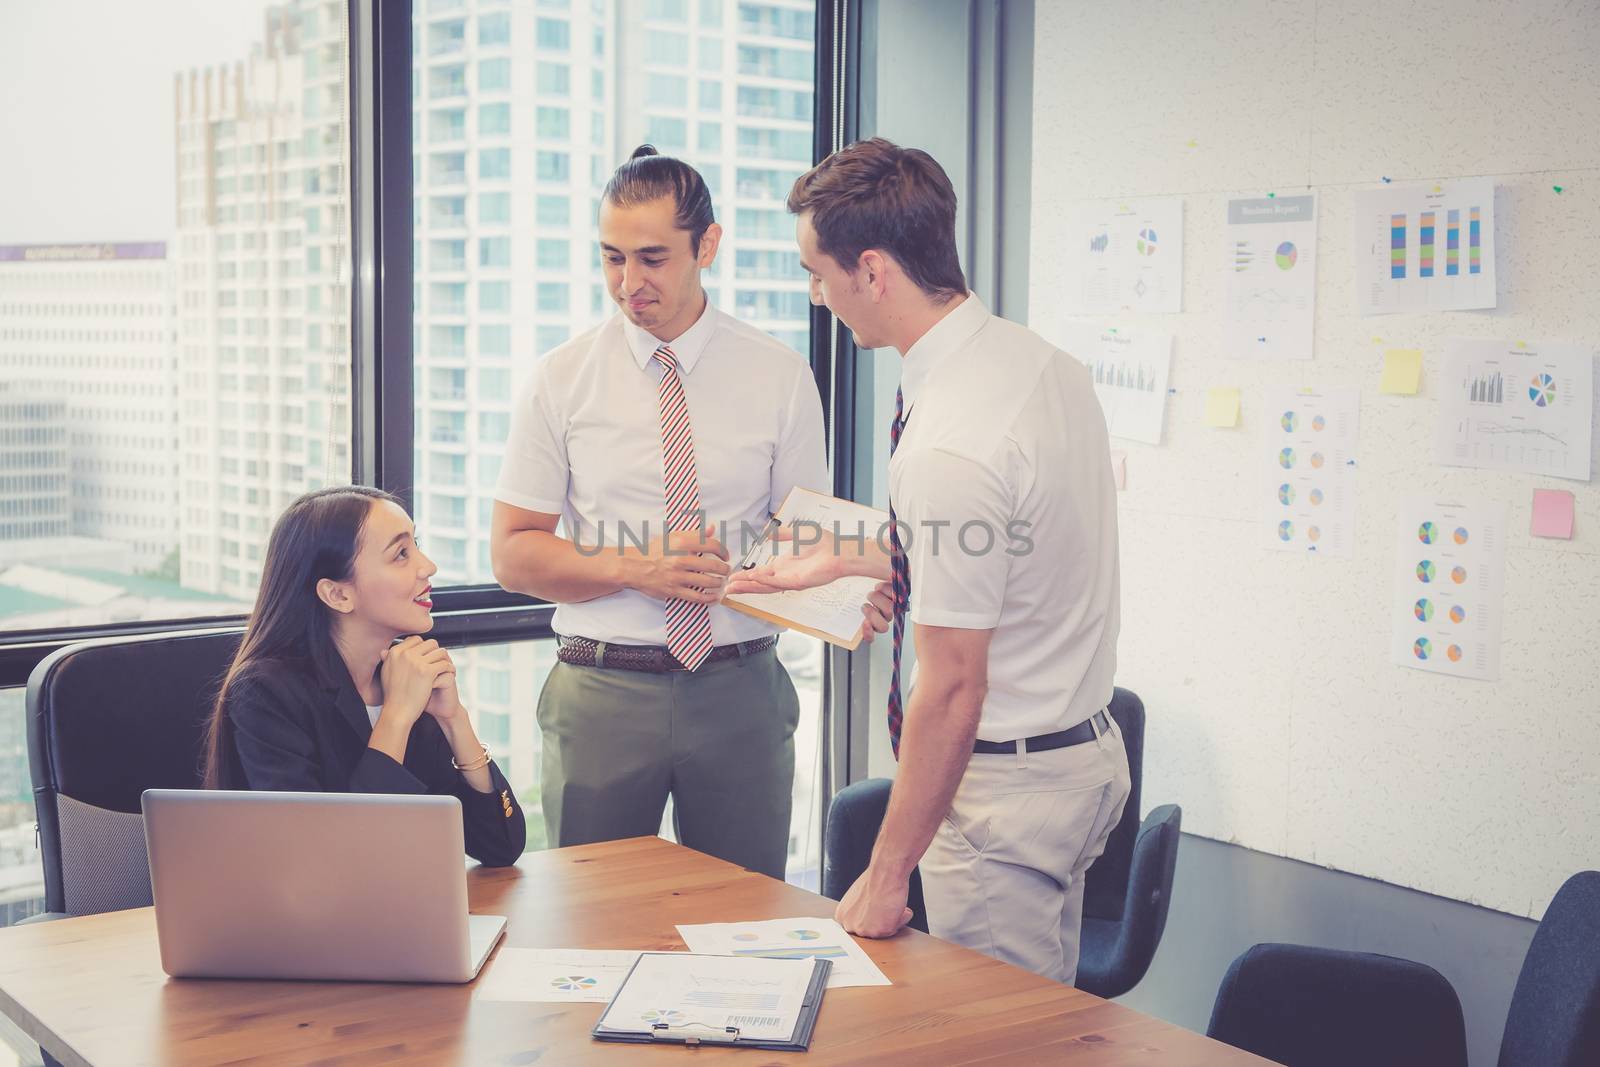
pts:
pixel 687 348
pixel 944 339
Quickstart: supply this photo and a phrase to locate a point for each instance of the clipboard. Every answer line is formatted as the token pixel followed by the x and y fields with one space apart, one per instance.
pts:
pixel 675 1027
pixel 800 504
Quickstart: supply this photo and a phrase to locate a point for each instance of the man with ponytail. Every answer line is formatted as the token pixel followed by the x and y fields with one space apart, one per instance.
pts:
pixel 652 440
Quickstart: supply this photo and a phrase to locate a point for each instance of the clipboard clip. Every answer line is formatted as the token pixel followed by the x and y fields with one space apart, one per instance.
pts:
pixel 748 560
pixel 718 1035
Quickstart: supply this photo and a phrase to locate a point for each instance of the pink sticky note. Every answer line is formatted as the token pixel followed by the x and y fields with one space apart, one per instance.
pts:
pixel 1119 469
pixel 1552 513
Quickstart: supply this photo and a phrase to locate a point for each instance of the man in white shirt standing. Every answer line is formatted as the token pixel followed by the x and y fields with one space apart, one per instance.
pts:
pixel 1004 551
pixel 653 438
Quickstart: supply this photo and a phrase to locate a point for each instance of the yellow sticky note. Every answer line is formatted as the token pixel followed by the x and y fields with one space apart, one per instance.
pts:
pixel 1402 370
pixel 1222 407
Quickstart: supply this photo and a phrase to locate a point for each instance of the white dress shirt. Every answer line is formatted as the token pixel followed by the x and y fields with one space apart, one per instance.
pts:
pixel 585 444
pixel 1004 434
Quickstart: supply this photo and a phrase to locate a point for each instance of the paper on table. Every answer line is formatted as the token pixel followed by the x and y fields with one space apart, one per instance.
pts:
pixel 805 937
pixel 557 976
pixel 762 998
pixel 1552 513
pixel 1222 407
pixel 1402 370
pixel 831 612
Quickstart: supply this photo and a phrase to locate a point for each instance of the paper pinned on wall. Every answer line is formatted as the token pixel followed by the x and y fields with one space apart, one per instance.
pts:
pixel 1308 491
pixel 1222 407
pixel 1122 255
pixel 1425 247
pixel 1402 371
pixel 1516 405
pixel 1130 369
pixel 1449 587
pixel 1552 514
pixel 1270 263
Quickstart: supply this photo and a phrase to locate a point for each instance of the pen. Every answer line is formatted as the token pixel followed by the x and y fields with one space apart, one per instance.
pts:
pixel 747 561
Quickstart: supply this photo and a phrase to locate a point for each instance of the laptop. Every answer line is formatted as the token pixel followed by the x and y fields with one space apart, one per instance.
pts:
pixel 324 886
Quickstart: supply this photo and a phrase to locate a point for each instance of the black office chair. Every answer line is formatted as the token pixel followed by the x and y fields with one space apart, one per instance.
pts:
pixel 1128 890
pixel 854 816
pixel 1555 1012
pixel 1320 1007
pixel 107 720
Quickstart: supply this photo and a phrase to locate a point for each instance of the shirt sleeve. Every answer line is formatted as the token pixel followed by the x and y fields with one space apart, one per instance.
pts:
pixel 958 511
pixel 535 473
pixel 802 457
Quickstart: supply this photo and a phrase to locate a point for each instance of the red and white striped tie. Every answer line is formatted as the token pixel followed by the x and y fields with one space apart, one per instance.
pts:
pixel 688 623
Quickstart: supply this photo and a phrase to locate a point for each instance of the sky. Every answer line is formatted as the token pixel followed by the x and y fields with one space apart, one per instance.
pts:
pixel 86 110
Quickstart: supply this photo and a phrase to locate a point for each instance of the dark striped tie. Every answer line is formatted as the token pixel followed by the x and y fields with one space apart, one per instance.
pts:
pixel 901 572
pixel 688 623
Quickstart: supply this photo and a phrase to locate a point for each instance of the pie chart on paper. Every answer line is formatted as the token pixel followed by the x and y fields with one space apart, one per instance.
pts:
pixel 1542 391
pixel 1147 241
pixel 1287 255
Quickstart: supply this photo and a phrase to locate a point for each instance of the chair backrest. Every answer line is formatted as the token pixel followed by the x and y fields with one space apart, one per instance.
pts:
pixel 1555 1012
pixel 1105 887
pixel 107 720
pixel 1319 1007
pixel 854 816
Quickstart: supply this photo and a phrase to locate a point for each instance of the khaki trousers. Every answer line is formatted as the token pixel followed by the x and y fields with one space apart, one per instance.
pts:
pixel 720 740
pixel 1004 874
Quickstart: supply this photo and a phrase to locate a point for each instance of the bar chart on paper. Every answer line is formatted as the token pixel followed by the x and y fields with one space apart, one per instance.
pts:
pixel 1425 247
pixel 1130 370
pixel 1517 405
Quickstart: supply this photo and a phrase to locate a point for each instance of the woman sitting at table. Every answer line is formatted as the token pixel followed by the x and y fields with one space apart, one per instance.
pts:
pixel 321 698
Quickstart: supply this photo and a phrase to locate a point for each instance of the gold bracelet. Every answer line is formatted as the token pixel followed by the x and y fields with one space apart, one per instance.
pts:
pixel 481 761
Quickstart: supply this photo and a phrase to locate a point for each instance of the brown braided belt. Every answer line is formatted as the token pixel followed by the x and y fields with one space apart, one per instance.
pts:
pixel 652 659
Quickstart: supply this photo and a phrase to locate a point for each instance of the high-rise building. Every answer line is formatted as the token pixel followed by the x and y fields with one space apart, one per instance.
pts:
pixel 35 472
pixel 262 257
pixel 90 326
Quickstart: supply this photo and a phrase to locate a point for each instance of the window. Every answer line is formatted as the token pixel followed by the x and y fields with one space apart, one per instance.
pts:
pixel 494 75
pixel 494 29
pixel 554 34
pixel 494 163
pixel 493 119
pixel 725 85
pixel 494 252
pixel 554 79
pixel 554 123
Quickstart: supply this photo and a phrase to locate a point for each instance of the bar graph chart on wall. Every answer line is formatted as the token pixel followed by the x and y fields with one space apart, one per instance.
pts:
pixel 1401 265
pixel 1517 405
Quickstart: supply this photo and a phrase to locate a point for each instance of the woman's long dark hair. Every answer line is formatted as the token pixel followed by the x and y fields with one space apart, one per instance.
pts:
pixel 315 538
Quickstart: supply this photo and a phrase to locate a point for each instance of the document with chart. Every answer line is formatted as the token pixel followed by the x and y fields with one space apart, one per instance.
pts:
pixel 802 938
pixel 1516 405
pixel 830 612
pixel 1449 587
pixel 1130 369
pixel 725 1000
pixel 556 976
pixel 1270 262
pixel 1122 255
pixel 1425 247
pixel 1308 485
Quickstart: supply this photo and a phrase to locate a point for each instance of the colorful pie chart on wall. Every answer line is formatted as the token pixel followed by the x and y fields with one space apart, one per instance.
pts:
pixel 1423 648
pixel 1458 575
pixel 1319 424
pixel 1454 652
pixel 1542 390
pixel 1423 610
pixel 1316 496
pixel 1316 461
pixel 1286 459
pixel 1290 422
pixel 1147 241
pixel 1313 534
pixel 1461 535
pixel 1286 493
pixel 1425 571
pixel 1286 530
pixel 1428 533
pixel 1287 255
pixel 1458 614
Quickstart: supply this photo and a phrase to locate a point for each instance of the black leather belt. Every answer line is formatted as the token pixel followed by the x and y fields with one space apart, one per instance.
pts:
pixel 1072 735
pixel 651 659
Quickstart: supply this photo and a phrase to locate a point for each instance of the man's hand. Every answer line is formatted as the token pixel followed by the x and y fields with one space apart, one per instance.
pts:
pixel 688 566
pixel 879 610
pixel 875 910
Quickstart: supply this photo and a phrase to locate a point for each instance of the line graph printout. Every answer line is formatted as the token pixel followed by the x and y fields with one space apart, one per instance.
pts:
pixel 1425 247
pixel 802 938
pixel 1122 255
pixel 1517 405
pixel 1130 370
pixel 1270 263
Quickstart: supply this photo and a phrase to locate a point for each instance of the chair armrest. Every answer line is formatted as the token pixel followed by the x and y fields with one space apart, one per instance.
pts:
pixel 42 917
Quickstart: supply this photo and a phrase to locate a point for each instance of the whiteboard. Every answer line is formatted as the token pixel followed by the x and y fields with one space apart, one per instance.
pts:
pixel 1276 717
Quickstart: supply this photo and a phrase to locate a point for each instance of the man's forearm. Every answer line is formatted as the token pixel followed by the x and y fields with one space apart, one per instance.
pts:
pixel 941 722
pixel 552 568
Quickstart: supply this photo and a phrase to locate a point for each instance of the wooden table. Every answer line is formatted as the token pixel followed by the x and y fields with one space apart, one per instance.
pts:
pixel 91 990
